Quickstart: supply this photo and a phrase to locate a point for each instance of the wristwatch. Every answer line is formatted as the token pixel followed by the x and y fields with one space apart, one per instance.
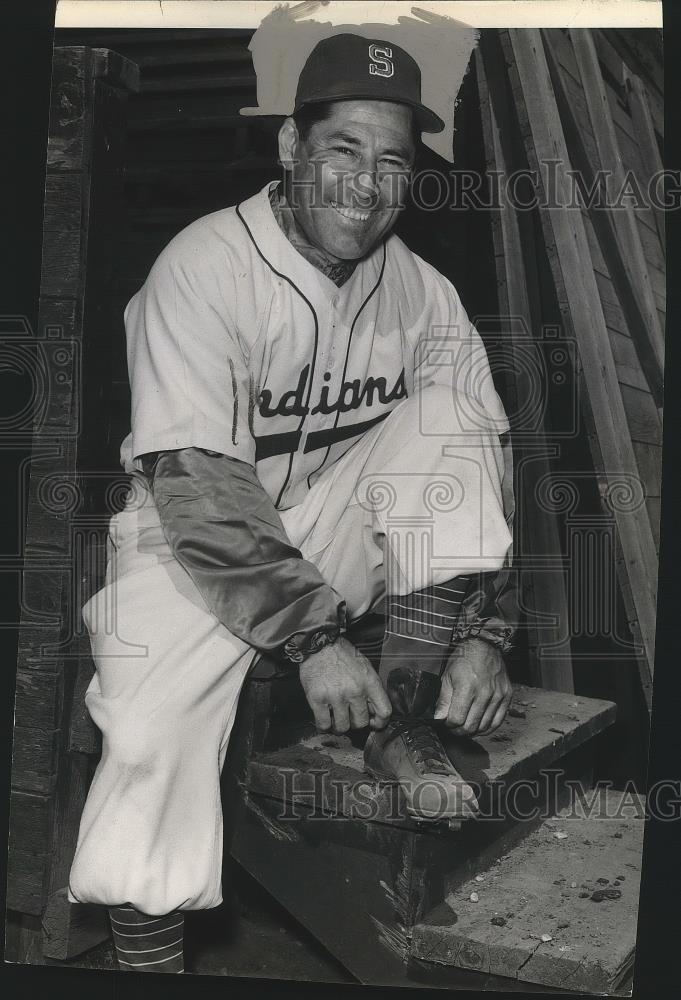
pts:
pixel 302 644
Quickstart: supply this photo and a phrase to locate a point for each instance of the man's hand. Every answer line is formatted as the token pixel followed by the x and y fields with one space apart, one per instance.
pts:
pixel 343 689
pixel 476 691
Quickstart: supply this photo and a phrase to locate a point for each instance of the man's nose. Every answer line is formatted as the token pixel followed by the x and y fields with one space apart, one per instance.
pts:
pixel 365 186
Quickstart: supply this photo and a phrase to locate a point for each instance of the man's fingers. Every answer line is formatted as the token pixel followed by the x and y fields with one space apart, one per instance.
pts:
pixel 322 717
pixel 378 720
pixel 500 713
pixel 341 716
pixel 379 702
pixel 489 714
pixel 359 713
pixel 443 699
pixel 459 707
pixel 476 712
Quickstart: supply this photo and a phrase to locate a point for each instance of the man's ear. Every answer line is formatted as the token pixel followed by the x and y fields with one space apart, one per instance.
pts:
pixel 288 143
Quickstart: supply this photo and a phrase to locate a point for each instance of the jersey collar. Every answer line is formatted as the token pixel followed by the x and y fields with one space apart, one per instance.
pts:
pixel 283 257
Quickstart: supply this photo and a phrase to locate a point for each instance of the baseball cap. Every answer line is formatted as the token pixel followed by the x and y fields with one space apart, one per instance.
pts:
pixel 348 67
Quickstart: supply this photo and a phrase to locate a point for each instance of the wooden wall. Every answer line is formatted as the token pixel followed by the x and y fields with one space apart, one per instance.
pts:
pixel 643 414
pixel 51 767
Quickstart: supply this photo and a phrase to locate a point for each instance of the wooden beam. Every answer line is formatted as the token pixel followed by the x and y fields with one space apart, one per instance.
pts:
pixel 69 929
pixel 626 227
pixel 608 260
pixel 578 297
pixel 547 591
pixel 645 130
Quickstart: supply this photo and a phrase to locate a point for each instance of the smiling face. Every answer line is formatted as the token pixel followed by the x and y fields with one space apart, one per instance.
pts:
pixel 348 178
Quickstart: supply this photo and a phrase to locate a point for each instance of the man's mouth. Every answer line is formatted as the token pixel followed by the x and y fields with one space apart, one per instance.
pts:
pixel 350 213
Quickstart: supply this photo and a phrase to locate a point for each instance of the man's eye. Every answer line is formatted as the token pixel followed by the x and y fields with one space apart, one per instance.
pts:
pixel 345 150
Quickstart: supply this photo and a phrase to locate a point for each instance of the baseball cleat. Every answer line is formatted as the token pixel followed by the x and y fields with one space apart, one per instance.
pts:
pixel 410 752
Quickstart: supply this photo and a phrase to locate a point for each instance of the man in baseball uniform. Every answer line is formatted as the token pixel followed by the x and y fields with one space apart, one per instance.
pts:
pixel 315 434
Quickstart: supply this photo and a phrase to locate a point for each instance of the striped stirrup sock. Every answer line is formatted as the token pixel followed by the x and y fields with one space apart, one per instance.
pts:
pixel 417 639
pixel 147 944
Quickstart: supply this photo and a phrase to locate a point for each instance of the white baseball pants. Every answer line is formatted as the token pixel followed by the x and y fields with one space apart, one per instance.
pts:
pixel 416 501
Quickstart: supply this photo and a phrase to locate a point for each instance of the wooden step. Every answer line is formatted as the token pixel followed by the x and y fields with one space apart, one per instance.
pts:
pixel 339 852
pixel 541 728
pixel 534 914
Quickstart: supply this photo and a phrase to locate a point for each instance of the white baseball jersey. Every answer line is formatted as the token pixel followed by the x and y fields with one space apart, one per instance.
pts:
pixel 238 345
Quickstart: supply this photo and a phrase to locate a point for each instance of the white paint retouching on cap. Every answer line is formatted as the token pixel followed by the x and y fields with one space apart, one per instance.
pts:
pixel 440 61
pixel 441 46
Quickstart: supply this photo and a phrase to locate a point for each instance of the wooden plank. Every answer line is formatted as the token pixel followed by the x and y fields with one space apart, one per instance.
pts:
pixel 37 700
pixel 603 243
pixel 27 873
pixel 30 823
pixel 656 273
pixel 650 153
pixel 626 360
pixel 640 59
pixel 559 39
pixel 612 61
pixel 34 759
pixel 115 69
pixel 652 247
pixel 63 235
pixel 580 305
pixel 535 889
pixel 612 310
pixel 74 779
pixel 649 461
pixel 646 225
pixel 625 127
pixel 371 884
pixel 653 507
pixel 637 179
pixel 554 724
pixel 43 590
pixel 643 417
pixel 187 81
pixel 614 282
pixel 195 110
pixel 58 358
pixel 150 56
pixel 84 737
pixel 609 59
pixel 68 146
pixel 53 497
pixel 46 798
pixel 182 170
pixel 548 598
pixel 610 159
pixel 180 121
pixel 72 928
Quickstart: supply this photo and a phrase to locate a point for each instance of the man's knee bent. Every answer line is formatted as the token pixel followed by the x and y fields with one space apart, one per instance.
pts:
pixel 440 411
pixel 138 744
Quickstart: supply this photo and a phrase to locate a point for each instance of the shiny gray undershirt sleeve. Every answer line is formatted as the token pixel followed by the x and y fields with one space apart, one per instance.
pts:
pixel 225 531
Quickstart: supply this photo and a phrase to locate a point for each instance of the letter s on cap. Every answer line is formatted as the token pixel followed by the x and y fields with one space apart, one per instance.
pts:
pixel 381 60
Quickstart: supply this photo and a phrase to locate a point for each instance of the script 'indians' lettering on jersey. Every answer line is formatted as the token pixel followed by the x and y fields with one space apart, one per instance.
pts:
pixel 238 345
pixel 351 396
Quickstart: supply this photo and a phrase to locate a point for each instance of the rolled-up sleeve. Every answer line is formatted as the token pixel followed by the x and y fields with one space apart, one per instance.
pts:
pixel 225 531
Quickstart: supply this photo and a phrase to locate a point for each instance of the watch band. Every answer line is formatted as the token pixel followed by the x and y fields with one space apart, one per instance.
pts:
pixel 302 645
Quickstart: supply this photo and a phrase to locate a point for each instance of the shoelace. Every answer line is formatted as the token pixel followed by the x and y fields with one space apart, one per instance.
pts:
pixel 425 743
